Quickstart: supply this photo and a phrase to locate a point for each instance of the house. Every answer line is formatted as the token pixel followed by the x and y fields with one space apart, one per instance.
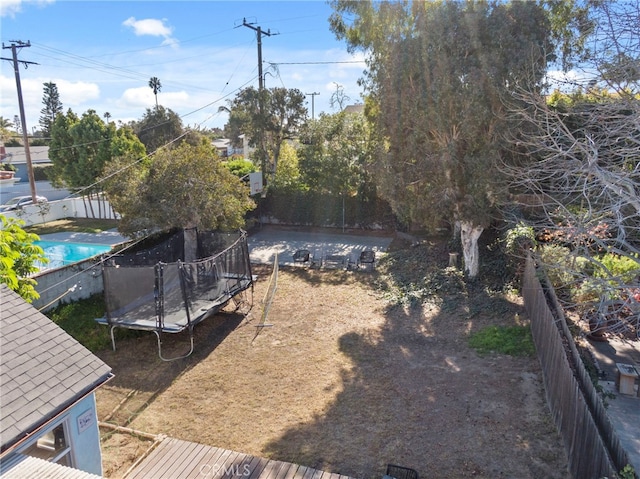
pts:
pixel 222 145
pixel 357 108
pixel 17 154
pixel 48 416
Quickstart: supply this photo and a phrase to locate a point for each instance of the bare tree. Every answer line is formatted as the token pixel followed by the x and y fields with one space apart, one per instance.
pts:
pixel 579 175
pixel 339 97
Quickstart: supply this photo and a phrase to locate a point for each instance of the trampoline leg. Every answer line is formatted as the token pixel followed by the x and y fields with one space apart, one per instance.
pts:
pixel 113 338
pixel 179 357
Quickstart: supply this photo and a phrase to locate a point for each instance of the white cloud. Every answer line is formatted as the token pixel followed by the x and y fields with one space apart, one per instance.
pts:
pixel 151 27
pixel 9 8
pixel 76 93
pixel 568 81
pixel 140 97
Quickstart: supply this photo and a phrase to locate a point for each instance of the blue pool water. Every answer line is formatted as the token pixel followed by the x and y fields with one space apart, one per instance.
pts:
pixel 62 253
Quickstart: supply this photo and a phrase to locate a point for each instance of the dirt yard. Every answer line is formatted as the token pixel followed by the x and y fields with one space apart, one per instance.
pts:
pixel 341 381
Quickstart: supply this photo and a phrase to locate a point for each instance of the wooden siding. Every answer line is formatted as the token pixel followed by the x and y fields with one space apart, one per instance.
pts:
pixel 173 458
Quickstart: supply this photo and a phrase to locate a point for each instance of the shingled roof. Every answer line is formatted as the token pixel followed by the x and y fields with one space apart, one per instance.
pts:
pixel 43 370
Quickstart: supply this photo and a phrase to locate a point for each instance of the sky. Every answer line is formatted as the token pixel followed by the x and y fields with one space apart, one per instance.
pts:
pixel 101 55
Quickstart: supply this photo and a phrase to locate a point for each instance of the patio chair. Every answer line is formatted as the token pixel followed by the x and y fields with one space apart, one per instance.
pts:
pixel 301 256
pixel 400 472
pixel 367 259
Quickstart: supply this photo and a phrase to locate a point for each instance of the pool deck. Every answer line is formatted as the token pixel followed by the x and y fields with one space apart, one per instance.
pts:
pixel 109 237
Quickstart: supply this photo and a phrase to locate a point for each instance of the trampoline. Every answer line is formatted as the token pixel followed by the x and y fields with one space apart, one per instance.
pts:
pixel 154 290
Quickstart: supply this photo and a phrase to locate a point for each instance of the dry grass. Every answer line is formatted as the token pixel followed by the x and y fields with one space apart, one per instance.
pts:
pixel 342 382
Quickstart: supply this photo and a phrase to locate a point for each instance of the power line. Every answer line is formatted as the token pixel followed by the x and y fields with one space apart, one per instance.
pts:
pixel 314 63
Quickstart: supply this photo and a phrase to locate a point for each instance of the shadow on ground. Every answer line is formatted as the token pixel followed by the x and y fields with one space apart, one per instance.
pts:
pixel 418 396
pixel 140 374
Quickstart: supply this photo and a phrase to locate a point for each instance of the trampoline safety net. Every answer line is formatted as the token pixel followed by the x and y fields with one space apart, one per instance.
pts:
pixel 144 292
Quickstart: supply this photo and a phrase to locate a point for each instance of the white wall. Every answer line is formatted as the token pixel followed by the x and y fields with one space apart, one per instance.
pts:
pixel 79 280
pixel 85 435
pixel 81 433
pixel 67 208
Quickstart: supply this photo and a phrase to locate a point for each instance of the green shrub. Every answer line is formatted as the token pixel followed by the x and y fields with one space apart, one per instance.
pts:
pixel 511 340
pixel 41 173
pixel 519 239
pixel 562 266
pixel 622 267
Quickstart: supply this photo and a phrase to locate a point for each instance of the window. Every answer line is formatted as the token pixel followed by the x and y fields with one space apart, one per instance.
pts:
pixel 52 446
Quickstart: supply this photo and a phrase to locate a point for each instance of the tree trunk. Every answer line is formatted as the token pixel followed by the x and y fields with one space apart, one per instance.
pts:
pixel 190 244
pixel 469 235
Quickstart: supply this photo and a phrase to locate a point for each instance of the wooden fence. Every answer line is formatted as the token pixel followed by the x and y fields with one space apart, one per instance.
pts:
pixel 592 446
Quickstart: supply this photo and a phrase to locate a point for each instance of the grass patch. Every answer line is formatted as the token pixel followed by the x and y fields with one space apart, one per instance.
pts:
pixel 73 225
pixel 511 340
pixel 78 320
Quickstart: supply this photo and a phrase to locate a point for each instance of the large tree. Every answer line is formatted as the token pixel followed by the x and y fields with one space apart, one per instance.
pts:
pixel 268 118
pixel 81 147
pixel 185 187
pixel 158 127
pixel 335 153
pixel 52 107
pixel 439 76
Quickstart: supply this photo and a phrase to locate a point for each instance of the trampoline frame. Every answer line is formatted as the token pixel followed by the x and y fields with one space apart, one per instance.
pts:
pixel 234 286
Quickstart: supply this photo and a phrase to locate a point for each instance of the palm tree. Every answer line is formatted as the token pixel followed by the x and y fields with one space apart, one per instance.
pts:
pixel 4 123
pixel 155 85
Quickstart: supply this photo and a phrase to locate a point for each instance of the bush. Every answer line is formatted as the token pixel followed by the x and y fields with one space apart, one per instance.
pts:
pixel 623 268
pixel 519 239
pixel 564 269
pixel 42 173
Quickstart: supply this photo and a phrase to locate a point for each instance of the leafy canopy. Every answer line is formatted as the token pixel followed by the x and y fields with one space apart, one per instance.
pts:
pixel 158 127
pixel 19 258
pixel 335 152
pixel 81 149
pixel 184 187
pixel 439 76
pixel 268 118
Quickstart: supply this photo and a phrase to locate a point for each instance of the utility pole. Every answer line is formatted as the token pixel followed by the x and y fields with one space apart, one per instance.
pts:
pixel 25 133
pixel 313 97
pixel 259 35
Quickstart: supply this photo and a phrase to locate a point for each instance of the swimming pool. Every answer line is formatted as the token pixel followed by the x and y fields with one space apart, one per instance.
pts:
pixel 62 253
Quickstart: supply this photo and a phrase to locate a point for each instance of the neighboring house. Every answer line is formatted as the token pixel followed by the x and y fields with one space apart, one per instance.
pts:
pixel 222 145
pixel 16 154
pixel 225 149
pixel 357 108
pixel 47 396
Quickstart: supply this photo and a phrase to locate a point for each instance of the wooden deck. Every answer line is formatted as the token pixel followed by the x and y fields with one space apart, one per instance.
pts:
pixel 177 459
